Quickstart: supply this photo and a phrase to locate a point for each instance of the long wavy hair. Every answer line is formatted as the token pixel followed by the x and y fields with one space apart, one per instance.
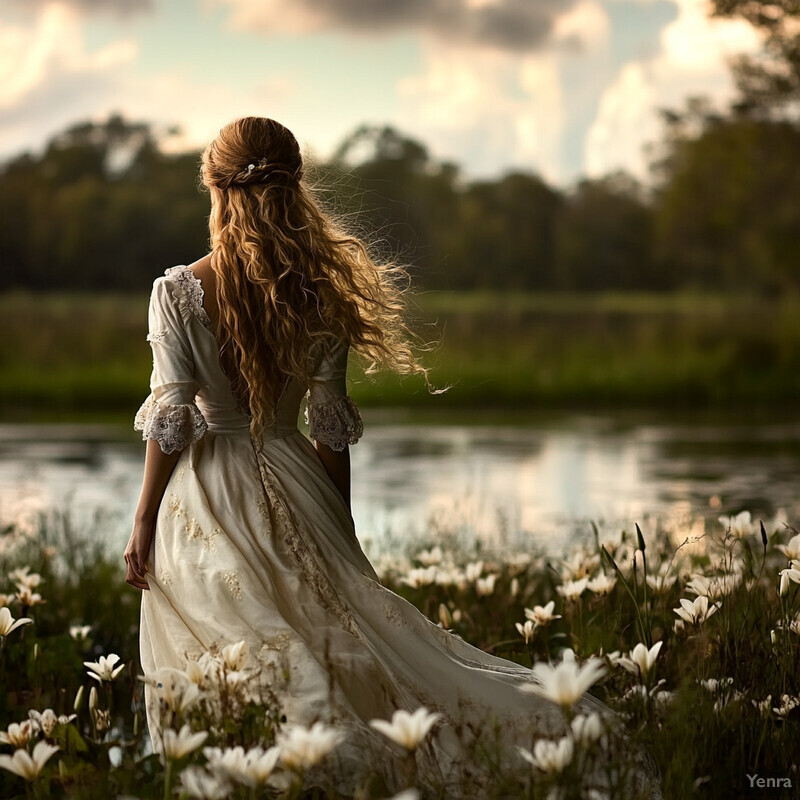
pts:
pixel 287 273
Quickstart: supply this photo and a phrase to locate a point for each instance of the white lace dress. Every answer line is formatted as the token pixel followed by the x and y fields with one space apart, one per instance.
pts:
pixel 253 542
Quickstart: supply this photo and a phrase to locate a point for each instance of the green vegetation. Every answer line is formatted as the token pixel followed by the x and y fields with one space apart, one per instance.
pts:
pixel 78 356
pixel 713 693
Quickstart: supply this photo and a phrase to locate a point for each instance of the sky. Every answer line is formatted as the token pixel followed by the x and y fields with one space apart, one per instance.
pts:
pixel 562 88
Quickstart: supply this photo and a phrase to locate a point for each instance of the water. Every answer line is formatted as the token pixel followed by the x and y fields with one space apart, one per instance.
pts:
pixel 539 483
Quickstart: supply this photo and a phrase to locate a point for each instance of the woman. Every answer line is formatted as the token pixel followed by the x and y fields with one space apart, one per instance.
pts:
pixel 244 530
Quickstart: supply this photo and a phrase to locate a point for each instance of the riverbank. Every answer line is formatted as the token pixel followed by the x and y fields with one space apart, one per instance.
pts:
pixel 69 357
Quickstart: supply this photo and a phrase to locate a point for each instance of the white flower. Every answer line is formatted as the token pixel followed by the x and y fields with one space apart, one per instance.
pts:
pixel 415 578
pixel 641 660
pixel 566 683
pixel 473 570
pixel 763 706
pixel 791 550
pixel 791 574
pixel 788 704
pixel 178 745
pixel 428 557
pixel 27 598
pixel 602 584
pixel 235 655
pixel 6 599
pixel 251 768
pixel 713 684
pixel 175 690
pixel 587 728
pixel 80 632
pixel 541 615
pixel 740 526
pixel 572 589
pixel 526 630
pixel 104 670
pixel 514 588
pixel 47 720
pixel 485 586
pixel 445 617
pixel 24 577
pixel 697 610
pixel 27 765
pixel 407 730
pixel 715 586
pixel 18 734
pixel 661 584
pixel 8 623
pixel 199 784
pixel 302 747
pixel 549 756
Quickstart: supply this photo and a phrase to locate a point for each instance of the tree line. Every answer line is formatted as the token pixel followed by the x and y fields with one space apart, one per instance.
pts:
pixel 103 207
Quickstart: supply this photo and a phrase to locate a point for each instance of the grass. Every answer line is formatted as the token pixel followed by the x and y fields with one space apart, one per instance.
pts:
pixel 68 356
pixel 721 699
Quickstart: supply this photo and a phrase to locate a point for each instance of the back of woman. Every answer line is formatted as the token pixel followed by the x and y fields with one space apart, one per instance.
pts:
pixel 244 539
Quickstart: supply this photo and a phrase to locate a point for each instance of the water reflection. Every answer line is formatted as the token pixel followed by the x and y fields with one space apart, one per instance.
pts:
pixel 541 483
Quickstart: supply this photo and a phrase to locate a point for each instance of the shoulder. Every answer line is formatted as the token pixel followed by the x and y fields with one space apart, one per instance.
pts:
pixel 179 289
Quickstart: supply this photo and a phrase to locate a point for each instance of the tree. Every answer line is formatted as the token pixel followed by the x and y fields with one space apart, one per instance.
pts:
pixel 769 83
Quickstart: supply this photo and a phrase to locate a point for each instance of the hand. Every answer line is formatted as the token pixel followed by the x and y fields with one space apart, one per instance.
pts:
pixel 136 553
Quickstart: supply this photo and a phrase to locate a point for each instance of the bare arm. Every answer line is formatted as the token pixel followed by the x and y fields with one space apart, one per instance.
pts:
pixel 158 467
pixel 337 465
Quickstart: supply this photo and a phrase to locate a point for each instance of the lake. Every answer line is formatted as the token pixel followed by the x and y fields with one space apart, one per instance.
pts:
pixel 523 482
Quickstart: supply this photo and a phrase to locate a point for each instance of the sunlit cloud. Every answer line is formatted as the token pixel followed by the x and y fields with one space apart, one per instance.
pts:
pixel 48 76
pixel 509 25
pixel 692 61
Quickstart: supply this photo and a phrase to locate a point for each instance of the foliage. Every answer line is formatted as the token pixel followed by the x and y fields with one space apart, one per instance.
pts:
pixel 712 701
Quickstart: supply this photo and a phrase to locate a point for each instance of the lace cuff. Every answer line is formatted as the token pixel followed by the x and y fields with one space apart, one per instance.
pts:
pixel 334 424
pixel 173 427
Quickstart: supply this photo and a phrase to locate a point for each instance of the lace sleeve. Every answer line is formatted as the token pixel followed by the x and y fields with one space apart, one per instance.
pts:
pixel 170 415
pixel 332 417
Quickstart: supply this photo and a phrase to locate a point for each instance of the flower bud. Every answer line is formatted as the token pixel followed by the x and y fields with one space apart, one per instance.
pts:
pixel 514 587
pixel 76 706
pixel 93 698
pixel 784 588
pixel 444 616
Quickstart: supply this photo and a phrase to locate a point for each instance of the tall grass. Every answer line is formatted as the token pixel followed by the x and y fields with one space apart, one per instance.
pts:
pixel 73 355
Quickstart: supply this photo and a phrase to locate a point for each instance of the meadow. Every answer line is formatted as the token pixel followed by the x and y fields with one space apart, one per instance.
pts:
pixel 73 356
pixel 692 637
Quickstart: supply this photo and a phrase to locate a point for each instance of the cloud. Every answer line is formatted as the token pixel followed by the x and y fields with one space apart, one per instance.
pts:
pixel 122 7
pixel 48 78
pixel 510 25
pixel 692 60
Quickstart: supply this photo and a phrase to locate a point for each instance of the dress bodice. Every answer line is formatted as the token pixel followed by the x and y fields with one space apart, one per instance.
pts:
pixel 191 392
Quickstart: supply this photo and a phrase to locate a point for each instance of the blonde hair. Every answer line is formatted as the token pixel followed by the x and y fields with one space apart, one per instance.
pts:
pixel 287 273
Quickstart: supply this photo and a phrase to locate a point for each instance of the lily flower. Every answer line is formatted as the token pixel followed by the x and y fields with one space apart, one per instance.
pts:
pixel 80 632
pixel 740 526
pixel 641 660
pixel 104 669
pixel 18 734
pixel 302 747
pixel 22 576
pixel 587 728
pixel 602 584
pixel 661 584
pixel 235 655
pixel 197 783
pixel 407 730
pixel 526 630
pixel 47 720
pixel 28 765
pixel 251 768
pixel 541 615
pixel 567 682
pixel 570 590
pixel 8 623
pixel 697 610
pixel 175 691
pixel 791 550
pixel 178 745
pixel 549 756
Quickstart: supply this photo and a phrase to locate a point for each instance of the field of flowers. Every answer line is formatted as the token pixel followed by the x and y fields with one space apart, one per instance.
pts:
pixel 692 639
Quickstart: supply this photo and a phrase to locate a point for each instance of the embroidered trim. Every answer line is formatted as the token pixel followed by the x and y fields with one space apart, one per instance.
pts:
pixel 303 550
pixel 173 427
pixel 334 424
pixel 190 293
pixel 156 336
